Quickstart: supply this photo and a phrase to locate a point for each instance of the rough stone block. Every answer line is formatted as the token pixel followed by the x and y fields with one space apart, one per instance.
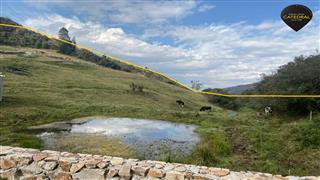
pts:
pixel 92 174
pixel 140 170
pixel 22 159
pixel 103 164
pixel 7 164
pixel 174 175
pixel 49 166
pixel 219 171
pixel 113 171
pixel 92 163
pixel 125 171
pixel 154 172
pixel 32 169
pixel 116 161
pixel 39 156
pixel 76 167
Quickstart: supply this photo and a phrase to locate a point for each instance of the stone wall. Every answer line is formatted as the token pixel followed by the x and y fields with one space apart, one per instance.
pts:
pixel 32 164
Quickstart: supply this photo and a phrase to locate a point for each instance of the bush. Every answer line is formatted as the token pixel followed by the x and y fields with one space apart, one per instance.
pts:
pixel 226 102
pixel 309 135
pixel 91 57
pixel 66 48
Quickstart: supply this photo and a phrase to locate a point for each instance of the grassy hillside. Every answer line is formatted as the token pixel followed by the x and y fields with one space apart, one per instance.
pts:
pixel 42 86
pixel 20 37
pixel 45 86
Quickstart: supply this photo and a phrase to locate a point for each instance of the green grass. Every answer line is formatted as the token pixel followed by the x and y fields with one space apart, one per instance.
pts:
pixel 43 88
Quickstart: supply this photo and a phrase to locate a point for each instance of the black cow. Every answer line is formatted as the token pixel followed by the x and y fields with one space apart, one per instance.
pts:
pixel 206 108
pixel 180 103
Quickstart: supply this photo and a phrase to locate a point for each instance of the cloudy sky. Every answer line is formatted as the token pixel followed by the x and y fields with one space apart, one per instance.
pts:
pixel 220 43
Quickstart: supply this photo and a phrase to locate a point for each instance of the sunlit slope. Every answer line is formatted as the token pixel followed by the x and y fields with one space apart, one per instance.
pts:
pixel 44 81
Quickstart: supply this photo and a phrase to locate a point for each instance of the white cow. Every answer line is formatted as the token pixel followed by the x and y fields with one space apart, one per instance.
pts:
pixel 268 111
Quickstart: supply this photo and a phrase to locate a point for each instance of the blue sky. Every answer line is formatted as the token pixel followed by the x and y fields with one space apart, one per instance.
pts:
pixel 220 43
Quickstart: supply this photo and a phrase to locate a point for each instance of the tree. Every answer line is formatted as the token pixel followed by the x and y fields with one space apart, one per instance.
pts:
pixel 197 85
pixel 301 76
pixel 64 34
pixel 65 47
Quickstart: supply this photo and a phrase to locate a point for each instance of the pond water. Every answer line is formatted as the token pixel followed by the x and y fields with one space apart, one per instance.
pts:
pixel 151 139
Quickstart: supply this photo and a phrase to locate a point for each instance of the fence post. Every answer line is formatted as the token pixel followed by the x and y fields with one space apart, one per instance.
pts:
pixel 1 85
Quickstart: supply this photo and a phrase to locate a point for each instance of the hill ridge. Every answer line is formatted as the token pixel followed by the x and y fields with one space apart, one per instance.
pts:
pixel 171 79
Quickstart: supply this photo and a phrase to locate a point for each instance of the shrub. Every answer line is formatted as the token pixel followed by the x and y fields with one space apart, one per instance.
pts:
pixel 226 102
pixel 136 87
pixel 91 57
pixel 66 48
pixel 309 135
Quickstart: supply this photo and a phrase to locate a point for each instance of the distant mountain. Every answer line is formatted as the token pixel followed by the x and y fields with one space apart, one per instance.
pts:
pixel 240 88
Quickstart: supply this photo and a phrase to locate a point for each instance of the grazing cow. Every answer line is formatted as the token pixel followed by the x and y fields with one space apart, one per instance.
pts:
pixel 268 111
pixel 180 103
pixel 206 108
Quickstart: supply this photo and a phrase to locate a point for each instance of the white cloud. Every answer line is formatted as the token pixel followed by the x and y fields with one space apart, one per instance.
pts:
pixel 124 11
pixel 205 7
pixel 218 55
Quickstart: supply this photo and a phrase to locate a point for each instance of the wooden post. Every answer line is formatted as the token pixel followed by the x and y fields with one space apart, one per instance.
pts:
pixel 1 86
pixel 310 115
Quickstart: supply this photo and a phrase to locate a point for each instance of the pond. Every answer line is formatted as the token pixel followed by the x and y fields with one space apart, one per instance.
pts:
pixel 127 137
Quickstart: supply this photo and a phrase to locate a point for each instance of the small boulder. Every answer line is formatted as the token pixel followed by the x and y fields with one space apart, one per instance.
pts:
pixel 205 177
pixel 102 164
pixel 4 150
pixel 7 164
pixel 22 159
pixel 76 167
pixel 157 173
pixel 194 169
pixel 85 174
pixel 174 175
pixel 113 171
pixel 116 161
pixel 32 169
pixel 64 165
pixel 92 163
pixel 219 171
pixel 9 174
pixel 49 166
pixel 140 170
pixel 61 176
pixel 125 171
pixel 180 168
pixel 39 156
